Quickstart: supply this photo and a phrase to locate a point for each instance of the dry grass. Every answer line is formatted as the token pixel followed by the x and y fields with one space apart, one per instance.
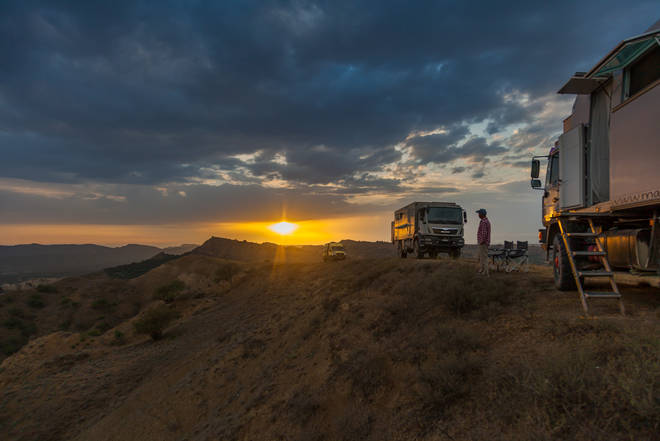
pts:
pixel 388 349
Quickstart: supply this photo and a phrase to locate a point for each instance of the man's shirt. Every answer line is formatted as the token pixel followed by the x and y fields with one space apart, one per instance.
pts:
pixel 483 233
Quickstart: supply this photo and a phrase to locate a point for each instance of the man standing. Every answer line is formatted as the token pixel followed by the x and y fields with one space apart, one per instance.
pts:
pixel 483 239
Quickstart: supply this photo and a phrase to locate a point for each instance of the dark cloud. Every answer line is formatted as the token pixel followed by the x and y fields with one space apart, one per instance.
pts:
pixel 442 148
pixel 135 112
pixel 122 204
pixel 169 92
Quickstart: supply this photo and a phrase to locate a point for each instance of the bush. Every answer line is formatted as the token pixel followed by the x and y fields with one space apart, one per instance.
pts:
pixel 47 288
pixel 366 372
pixel 585 389
pixel 463 293
pixel 35 301
pixel 226 271
pixel 11 345
pixel 169 292
pixel 118 338
pixel 102 305
pixel 154 321
pixel 448 380
pixel 12 323
pixel 17 312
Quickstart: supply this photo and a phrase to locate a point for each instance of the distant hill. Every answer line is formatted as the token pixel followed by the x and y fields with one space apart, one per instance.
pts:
pixel 181 249
pixel 254 252
pixel 23 262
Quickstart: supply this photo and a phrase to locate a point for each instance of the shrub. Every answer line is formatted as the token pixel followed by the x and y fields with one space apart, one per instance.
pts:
pixel 449 380
pixel 35 301
pixel 17 312
pixel 12 323
pixel 463 293
pixel 27 328
pixel 226 271
pixel 303 405
pixel 154 321
pixel 47 288
pixel 169 292
pixel 102 305
pixel 367 373
pixel 585 389
pixel 11 345
pixel 118 338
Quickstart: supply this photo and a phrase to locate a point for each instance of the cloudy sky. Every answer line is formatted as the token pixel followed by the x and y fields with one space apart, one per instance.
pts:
pixel 167 121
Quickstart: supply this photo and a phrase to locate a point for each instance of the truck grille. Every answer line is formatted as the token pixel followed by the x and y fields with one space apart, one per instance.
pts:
pixel 449 231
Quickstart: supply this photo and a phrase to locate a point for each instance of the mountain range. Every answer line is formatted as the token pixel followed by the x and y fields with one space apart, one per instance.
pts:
pixel 24 262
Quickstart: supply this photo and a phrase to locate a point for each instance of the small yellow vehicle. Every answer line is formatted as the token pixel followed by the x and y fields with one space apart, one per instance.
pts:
pixel 333 251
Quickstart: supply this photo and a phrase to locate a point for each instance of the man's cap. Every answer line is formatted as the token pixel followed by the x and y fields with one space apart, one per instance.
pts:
pixel 481 211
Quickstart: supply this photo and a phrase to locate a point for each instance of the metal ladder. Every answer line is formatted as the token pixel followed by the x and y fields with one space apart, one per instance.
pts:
pixel 579 275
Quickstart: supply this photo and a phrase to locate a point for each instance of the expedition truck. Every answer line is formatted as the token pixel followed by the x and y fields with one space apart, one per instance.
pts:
pixel 429 228
pixel 601 198
pixel 333 251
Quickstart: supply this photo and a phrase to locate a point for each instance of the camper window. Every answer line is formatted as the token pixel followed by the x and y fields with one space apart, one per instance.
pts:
pixel 628 53
pixel 552 177
pixel 643 72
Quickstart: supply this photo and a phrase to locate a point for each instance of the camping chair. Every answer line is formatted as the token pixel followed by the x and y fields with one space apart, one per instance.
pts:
pixel 518 258
pixel 498 256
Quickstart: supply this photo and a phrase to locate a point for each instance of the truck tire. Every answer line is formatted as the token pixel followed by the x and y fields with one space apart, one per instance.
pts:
pixel 401 250
pixel 564 280
pixel 418 252
pixel 455 253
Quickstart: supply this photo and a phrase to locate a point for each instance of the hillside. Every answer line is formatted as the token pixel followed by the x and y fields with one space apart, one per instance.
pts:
pixel 363 349
pixel 23 262
pixel 269 252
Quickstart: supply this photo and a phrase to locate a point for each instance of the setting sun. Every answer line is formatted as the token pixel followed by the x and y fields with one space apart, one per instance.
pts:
pixel 283 228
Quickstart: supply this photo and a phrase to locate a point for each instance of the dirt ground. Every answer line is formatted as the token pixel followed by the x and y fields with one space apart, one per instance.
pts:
pixel 352 350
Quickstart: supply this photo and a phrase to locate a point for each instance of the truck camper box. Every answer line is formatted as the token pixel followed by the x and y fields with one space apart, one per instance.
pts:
pixel 601 198
pixel 610 148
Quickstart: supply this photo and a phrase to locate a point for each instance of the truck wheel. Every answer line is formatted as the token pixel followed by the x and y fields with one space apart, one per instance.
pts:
pixel 455 253
pixel 433 254
pixel 402 251
pixel 418 252
pixel 564 280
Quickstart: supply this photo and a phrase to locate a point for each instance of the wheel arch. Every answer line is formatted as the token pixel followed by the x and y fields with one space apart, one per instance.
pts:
pixel 553 230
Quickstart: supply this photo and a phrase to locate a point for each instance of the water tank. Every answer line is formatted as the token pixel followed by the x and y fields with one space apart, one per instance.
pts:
pixel 630 249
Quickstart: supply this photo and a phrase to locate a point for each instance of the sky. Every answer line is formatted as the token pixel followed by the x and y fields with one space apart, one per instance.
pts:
pixel 166 122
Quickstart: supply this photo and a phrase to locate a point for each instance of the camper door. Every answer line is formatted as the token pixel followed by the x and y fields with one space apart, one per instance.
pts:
pixel 571 168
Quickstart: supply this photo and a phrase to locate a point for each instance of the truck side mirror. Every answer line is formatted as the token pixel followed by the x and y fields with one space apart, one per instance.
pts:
pixel 464 217
pixel 536 168
pixel 536 184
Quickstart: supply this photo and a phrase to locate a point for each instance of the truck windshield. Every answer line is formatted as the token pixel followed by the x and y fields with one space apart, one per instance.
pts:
pixel 338 248
pixel 445 215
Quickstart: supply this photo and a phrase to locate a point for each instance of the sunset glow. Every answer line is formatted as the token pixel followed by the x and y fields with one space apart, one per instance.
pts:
pixel 283 228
